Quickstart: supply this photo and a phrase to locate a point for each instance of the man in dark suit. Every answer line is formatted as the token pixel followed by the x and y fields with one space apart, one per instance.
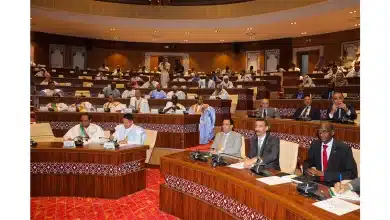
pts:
pixel 329 159
pixel 264 147
pixel 308 111
pixel 340 110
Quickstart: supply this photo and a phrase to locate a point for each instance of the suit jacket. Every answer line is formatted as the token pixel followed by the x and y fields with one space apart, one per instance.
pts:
pixel 355 184
pixel 340 161
pixel 271 113
pixel 336 117
pixel 233 143
pixel 314 113
pixel 269 151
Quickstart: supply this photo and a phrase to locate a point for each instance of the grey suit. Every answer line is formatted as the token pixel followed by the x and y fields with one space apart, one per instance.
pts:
pixel 355 184
pixel 269 152
pixel 271 113
pixel 232 146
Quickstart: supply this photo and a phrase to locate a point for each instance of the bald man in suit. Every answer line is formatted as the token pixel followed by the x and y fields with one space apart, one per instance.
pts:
pixel 265 111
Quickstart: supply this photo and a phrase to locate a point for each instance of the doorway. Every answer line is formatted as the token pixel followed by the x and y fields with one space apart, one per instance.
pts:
pixel 307 60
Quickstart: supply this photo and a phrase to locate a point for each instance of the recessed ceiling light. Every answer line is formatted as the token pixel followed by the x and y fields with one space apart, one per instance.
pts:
pixel 294 22
pixel 185 40
pixel 112 29
pixel 155 31
pixel 354 11
pixel 187 33
pixel 248 29
pixel 357 25
pixel 216 31
pixel 303 33
pixel 116 38
pixel 221 40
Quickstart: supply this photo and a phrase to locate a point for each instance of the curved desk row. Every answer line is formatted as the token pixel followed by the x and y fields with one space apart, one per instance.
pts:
pixel 195 190
pixel 89 171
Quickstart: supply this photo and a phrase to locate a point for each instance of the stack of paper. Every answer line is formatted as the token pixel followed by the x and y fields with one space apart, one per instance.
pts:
pixel 346 195
pixel 237 165
pixel 273 180
pixel 337 206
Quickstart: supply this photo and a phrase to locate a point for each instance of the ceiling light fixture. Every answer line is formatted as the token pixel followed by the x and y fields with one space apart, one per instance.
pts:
pixel 185 40
pixel 357 25
pixel 248 29
pixel 221 40
pixel 294 22
pixel 216 31
pixel 187 33
pixel 112 29
pixel 303 33
pixel 155 31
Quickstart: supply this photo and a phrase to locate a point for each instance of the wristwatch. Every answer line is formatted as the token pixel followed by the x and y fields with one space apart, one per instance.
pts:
pixel 259 160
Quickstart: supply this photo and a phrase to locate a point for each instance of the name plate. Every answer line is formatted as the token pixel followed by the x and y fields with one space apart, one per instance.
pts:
pixel 109 145
pixel 239 86
pixel 69 144
pixel 154 111
pixel 179 112
pixel 43 109
pixel 258 79
pixel 100 109
pixel 128 110
pixel 53 70
pixel 85 72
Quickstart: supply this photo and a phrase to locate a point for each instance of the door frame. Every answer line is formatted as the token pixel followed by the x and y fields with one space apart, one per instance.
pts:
pixel 186 58
pixel 306 49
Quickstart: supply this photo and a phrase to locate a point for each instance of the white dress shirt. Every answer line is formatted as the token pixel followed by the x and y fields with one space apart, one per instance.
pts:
pixel 328 150
pixel 338 111
pixel 307 112
pixel 225 136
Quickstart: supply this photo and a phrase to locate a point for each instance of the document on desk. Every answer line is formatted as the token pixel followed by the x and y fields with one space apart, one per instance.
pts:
pixel 239 166
pixel 336 206
pixel 273 180
pixel 349 195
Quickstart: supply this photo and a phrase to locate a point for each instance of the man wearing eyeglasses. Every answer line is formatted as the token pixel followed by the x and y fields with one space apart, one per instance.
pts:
pixel 330 160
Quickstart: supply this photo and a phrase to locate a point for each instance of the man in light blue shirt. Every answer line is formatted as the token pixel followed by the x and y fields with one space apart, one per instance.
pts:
pixel 158 93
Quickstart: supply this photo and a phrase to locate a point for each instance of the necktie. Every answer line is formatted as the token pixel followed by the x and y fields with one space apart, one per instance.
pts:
pixel 339 110
pixel 324 158
pixel 264 113
pixel 260 142
pixel 305 111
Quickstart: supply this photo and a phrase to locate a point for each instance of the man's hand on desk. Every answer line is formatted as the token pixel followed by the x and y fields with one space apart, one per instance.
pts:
pixel 314 172
pixel 122 142
pixel 249 162
pixel 340 188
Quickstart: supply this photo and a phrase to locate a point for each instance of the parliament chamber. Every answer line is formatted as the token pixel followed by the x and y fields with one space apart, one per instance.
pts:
pixel 141 121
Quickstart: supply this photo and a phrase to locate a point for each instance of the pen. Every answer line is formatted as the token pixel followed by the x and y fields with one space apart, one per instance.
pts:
pixel 341 177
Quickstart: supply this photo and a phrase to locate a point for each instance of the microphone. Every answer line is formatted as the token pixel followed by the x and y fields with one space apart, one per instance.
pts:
pixel 217 159
pixel 197 155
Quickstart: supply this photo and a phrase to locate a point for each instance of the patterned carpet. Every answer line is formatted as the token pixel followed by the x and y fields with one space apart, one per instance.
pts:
pixel 141 205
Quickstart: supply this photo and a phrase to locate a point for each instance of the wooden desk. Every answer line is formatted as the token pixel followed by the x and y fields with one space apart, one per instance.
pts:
pixel 300 132
pixel 195 190
pixel 89 171
pixel 287 107
pixel 174 131
pixel 353 92
pixel 222 107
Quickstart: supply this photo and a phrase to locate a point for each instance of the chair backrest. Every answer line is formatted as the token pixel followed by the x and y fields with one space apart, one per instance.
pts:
pixel 233 106
pixel 243 155
pixel 356 157
pixel 151 137
pixel 288 156
pixel 41 130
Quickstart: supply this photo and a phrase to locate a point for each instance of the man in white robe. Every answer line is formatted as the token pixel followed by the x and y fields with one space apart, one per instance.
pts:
pixel 206 83
pixel 139 104
pixel 220 93
pixel 151 84
pixel 82 106
pixel 113 106
pixel 52 90
pixel 227 71
pixel 226 83
pixel 173 105
pixel 178 93
pixel 128 133
pixel 164 66
pixel 129 92
pixel 56 105
pixel 91 132
pixel 355 72
pixel 117 71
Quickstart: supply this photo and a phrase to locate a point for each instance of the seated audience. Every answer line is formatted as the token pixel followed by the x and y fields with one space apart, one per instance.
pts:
pixel 220 93
pixel 300 93
pixel 113 106
pixel 137 79
pixel 307 81
pixel 196 78
pixel 128 133
pixel 47 80
pixel 87 130
pixel 56 105
pixel 178 93
pixel 82 106
pixel 111 90
pixel 227 71
pixel 101 76
pixel 226 83
pixel 173 105
pixel 52 90
pixel 294 67
pixel 339 110
pixel 264 148
pixel 240 76
pixel 206 83
pixel 151 84
pixel 328 158
pixel 207 120
pixel 265 111
pixel 308 111
pixel 214 77
pixel 117 71
pixel 104 68
pixel 353 185
pixel 143 70
pixel 329 93
pixel 339 79
pixel 179 79
pixel 42 73
pixel 332 71
pixel 355 71
pixel 129 92
pixel 139 104
pixel 227 141
pixel 158 93
pixel 280 69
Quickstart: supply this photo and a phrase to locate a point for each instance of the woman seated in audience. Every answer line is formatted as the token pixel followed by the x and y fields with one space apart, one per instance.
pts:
pixel 307 81
pixel 214 77
pixel 339 79
pixel 226 83
pixel 56 105
pixel 47 80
